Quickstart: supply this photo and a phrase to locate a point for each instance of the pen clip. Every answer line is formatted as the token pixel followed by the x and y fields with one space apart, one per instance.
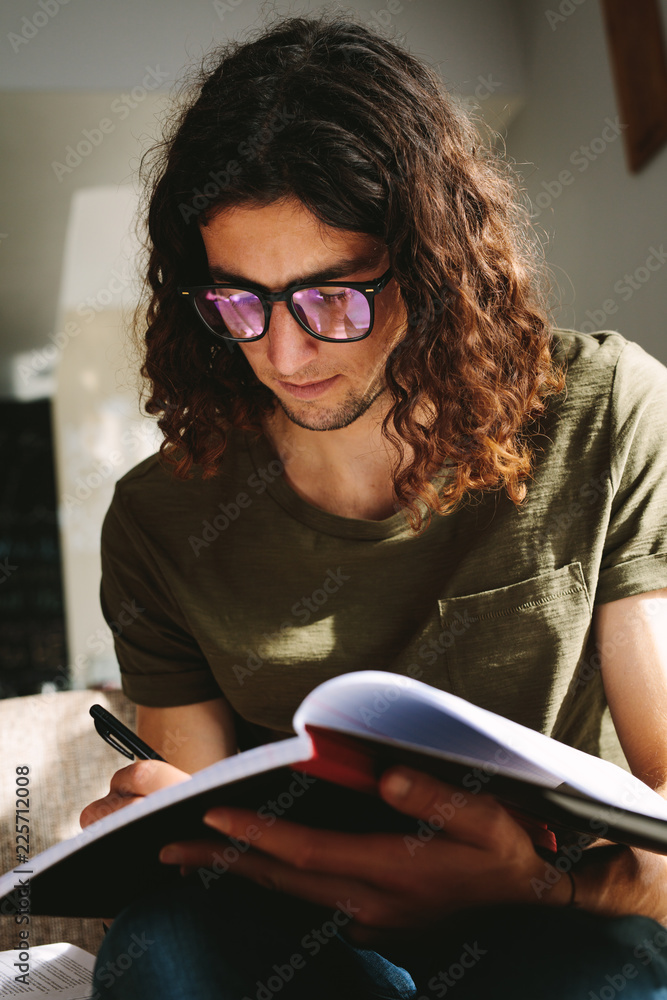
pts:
pixel 112 740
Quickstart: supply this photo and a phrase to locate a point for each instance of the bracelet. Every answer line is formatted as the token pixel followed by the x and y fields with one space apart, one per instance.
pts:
pixel 571 901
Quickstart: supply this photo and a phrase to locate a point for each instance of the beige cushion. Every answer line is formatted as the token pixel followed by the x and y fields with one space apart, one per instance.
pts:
pixel 70 766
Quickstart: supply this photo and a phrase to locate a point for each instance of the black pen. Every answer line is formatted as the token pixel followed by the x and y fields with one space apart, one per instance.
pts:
pixel 120 737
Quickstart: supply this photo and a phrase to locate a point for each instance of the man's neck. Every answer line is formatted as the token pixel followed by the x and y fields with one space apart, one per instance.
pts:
pixel 346 471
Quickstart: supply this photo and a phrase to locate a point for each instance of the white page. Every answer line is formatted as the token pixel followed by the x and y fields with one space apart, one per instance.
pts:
pixel 55 970
pixel 390 707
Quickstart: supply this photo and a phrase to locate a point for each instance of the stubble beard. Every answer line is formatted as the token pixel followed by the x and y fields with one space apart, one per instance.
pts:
pixel 347 411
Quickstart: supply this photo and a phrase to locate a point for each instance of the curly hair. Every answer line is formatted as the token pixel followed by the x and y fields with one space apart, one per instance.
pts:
pixel 363 134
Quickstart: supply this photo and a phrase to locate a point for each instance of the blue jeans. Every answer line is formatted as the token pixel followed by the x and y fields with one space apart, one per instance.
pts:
pixel 237 941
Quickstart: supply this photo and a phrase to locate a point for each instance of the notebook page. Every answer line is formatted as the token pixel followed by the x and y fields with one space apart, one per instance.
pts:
pixel 406 711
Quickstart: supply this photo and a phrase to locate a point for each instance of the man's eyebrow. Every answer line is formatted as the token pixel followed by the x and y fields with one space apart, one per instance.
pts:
pixel 336 269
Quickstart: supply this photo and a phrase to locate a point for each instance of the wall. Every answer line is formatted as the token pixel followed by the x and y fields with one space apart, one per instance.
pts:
pixel 98 430
pixel 59 83
pixel 40 173
pixel 603 223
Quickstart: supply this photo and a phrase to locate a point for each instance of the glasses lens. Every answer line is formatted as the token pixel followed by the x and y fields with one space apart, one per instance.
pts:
pixel 231 312
pixel 337 313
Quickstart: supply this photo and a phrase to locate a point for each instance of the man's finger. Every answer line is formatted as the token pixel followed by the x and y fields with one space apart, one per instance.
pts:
pixel 349 898
pixel 146 776
pixel 271 873
pixel 371 857
pixel 195 853
pixel 477 820
pixel 104 807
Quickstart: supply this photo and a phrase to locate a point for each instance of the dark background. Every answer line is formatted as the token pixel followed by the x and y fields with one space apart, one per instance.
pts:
pixel 32 623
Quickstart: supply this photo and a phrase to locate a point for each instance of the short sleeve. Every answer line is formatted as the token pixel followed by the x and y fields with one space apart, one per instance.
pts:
pixel 634 558
pixel 161 664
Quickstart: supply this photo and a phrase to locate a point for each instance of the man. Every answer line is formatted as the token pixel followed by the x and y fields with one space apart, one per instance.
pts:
pixel 355 376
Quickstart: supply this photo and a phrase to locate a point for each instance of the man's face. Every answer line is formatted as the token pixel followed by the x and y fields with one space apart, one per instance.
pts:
pixel 320 386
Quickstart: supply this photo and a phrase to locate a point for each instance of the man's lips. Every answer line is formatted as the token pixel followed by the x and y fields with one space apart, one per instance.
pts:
pixel 308 390
pixel 300 385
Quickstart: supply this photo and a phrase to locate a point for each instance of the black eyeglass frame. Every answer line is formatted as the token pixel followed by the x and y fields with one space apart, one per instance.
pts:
pixel 368 288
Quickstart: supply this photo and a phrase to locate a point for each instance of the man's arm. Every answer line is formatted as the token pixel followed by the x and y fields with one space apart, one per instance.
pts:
pixel 632 638
pixel 189 736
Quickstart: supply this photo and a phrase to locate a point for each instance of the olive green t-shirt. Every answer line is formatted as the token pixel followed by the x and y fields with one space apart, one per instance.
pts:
pixel 237 585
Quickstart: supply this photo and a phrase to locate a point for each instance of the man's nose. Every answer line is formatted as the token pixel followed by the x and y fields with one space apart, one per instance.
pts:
pixel 288 346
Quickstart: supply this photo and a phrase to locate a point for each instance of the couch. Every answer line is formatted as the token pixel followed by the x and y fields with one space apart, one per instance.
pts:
pixel 70 765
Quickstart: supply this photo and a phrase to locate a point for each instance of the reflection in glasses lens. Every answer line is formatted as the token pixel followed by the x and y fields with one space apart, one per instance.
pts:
pixel 228 311
pixel 338 313
pixel 335 313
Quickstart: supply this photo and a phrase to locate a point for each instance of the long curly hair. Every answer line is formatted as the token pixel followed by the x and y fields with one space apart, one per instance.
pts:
pixel 327 111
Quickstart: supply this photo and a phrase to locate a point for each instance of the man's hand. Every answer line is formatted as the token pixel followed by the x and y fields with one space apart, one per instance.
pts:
pixel 474 854
pixel 128 785
pixel 132 783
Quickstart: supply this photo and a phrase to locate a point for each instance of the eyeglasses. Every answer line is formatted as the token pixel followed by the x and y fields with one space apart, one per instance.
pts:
pixel 331 310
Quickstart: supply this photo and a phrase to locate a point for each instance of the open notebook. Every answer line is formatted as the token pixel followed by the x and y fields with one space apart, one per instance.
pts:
pixel 349 729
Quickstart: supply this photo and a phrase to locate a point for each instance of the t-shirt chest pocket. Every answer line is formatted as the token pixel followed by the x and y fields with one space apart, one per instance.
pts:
pixel 514 650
